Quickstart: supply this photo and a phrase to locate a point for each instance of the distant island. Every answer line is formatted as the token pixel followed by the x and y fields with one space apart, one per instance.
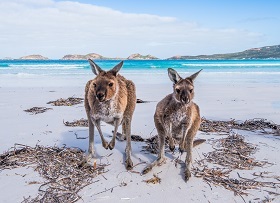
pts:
pixel 267 52
pixel 83 57
pixel 98 56
pixel 33 57
pixel 141 57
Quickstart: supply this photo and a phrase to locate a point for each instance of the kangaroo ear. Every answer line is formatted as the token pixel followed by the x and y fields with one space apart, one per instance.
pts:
pixel 173 75
pixel 117 68
pixel 193 76
pixel 94 67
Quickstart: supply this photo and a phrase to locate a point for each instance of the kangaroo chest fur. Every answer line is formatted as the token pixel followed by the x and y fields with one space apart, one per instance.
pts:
pixel 175 117
pixel 106 111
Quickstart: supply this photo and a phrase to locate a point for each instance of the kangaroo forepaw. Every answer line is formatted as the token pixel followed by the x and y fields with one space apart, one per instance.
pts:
pixel 187 175
pixel 128 164
pixel 111 145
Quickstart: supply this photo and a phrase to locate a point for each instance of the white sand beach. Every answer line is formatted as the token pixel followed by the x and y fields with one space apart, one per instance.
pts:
pixel 228 98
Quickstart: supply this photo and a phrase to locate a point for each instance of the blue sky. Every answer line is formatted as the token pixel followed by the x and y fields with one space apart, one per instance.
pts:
pixel 113 28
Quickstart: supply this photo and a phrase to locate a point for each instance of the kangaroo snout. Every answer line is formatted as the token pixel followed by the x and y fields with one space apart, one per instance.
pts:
pixel 100 96
pixel 185 100
pixel 184 97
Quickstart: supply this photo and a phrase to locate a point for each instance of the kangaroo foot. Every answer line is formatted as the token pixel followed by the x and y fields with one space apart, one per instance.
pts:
pixel 111 145
pixel 171 144
pixel 187 175
pixel 105 145
pixel 182 148
pixel 172 147
pixel 91 154
pixel 128 164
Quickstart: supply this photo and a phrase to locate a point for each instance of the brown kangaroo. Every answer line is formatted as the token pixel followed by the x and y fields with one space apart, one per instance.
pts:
pixel 111 98
pixel 177 116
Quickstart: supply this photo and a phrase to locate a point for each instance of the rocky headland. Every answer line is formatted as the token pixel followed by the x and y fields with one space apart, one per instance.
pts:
pixel 141 57
pixel 33 57
pixel 267 52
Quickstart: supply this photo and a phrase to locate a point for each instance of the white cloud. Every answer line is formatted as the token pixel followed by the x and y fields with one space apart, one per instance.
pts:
pixel 54 29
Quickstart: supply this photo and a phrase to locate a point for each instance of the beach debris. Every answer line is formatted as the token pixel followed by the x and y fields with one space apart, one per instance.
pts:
pixel 231 153
pixel 140 101
pixel 221 177
pixel 152 144
pixel 122 184
pixel 135 138
pixel 37 110
pixel 234 153
pixel 66 102
pixel 64 169
pixel 154 180
pixel 77 123
pixel 256 124
pixel 211 126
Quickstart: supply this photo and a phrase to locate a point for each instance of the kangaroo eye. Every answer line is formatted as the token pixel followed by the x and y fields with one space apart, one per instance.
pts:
pixel 111 84
pixel 178 90
pixel 191 90
pixel 94 85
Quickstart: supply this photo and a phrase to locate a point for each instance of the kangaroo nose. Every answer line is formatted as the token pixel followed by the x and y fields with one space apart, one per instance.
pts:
pixel 100 96
pixel 185 99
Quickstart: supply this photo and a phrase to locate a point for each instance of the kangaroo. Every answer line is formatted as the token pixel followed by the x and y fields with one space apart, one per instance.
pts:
pixel 177 117
pixel 111 98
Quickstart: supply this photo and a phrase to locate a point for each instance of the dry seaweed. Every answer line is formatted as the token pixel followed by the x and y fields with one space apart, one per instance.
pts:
pixel 154 180
pixel 77 123
pixel 256 124
pixel 140 101
pixel 152 144
pixel 211 126
pixel 221 177
pixel 233 152
pixel 66 102
pixel 64 169
pixel 36 110
pixel 135 138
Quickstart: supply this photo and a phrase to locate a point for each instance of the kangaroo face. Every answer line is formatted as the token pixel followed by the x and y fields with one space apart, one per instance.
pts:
pixel 184 91
pixel 104 86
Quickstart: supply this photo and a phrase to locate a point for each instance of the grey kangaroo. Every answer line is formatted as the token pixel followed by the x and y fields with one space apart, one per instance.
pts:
pixel 177 117
pixel 111 98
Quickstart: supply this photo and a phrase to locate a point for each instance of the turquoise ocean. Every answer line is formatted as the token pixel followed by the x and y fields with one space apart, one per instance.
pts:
pixel 219 71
